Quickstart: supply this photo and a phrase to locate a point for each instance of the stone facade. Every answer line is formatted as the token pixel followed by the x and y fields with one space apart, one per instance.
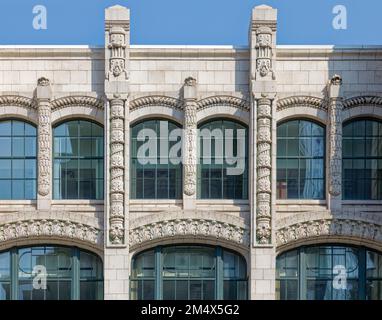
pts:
pixel 258 86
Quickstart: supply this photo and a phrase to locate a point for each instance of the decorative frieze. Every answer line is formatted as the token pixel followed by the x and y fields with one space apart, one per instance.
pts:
pixel 164 101
pixel 50 228
pixel 224 101
pixel 301 101
pixel 357 229
pixel 69 101
pixel 117 172
pixel 199 228
pixel 18 101
pixel 363 101
pixel 264 170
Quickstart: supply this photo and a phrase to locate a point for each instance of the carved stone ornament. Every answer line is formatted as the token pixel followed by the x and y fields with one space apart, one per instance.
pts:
pixel 200 228
pixel 264 52
pixel 264 169
pixel 336 80
pixel 117 46
pixel 190 81
pixel 44 147
pixel 329 227
pixel 117 172
pixel 50 228
pixel 43 82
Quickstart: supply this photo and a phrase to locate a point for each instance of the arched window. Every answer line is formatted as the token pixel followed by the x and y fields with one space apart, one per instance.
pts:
pixel 78 160
pixel 329 272
pixel 223 160
pixel 300 160
pixel 71 273
pixel 156 164
pixel 188 273
pixel 18 168
pixel 362 160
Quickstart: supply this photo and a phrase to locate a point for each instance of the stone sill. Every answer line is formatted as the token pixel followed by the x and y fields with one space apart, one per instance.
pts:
pixel 155 202
pixel 17 202
pixel 78 202
pixel 362 202
pixel 222 202
pixel 301 202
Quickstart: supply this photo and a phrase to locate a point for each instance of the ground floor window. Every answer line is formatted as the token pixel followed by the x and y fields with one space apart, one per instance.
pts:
pixel 188 273
pixel 329 272
pixel 50 273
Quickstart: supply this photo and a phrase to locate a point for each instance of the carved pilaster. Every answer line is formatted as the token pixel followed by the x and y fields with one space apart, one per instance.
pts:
pixel 335 109
pixel 43 97
pixel 117 172
pixel 190 142
pixel 264 171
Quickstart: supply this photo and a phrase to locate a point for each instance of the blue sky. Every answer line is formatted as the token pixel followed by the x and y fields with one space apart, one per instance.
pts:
pixel 193 22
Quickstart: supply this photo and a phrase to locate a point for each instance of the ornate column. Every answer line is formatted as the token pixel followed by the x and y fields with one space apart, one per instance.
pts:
pixel 263 151
pixel 44 158
pixel 264 172
pixel 117 172
pixel 189 144
pixel 116 262
pixel 335 109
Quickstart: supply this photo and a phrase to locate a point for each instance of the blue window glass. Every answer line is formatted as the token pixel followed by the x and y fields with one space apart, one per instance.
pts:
pixel 18 166
pixel 223 160
pixel 188 273
pixel 300 160
pixel 78 160
pixel 362 160
pixel 156 174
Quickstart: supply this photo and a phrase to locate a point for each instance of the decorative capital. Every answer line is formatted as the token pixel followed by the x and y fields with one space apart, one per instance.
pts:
pixel 190 81
pixel 336 80
pixel 43 82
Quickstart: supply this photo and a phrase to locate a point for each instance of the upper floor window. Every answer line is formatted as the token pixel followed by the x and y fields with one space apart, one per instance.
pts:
pixel 18 167
pixel 300 160
pixel 362 160
pixel 78 160
pixel 156 166
pixel 223 160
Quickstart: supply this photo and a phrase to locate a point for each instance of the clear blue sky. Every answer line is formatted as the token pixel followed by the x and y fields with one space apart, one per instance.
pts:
pixel 190 21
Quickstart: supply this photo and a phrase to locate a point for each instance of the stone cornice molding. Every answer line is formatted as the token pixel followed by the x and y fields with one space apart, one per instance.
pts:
pixel 362 101
pixel 19 101
pixel 55 228
pixel 156 100
pixel 301 101
pixel 77 101
pixel 224 101
pixel 326 226
pixel 189 228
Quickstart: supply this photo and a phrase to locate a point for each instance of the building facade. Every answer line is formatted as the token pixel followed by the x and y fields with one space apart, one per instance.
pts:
pixel 83 217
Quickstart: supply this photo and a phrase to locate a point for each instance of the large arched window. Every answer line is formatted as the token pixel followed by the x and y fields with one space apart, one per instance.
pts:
pixel 188 273
pixel 300 160
pixel 50 273
pixel 156 164
pixel 78 160
pixel 329 272
pixel 223 160
pixel 17 160
pixel 362 160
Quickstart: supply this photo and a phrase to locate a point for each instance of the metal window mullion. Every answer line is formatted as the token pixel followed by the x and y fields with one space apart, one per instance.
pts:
pixel 158 295
pixel 75 292
pixel 14 274
pixel 302 280
pixel 219 284
pixel 362 274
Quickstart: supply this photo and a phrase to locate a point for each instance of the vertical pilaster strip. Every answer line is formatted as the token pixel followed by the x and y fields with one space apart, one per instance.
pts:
pixel 190 144
pixel 335 109
pixel 264 171
pixel 43 98
pixel 263 188
pixel 117 172
pixel 117 258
